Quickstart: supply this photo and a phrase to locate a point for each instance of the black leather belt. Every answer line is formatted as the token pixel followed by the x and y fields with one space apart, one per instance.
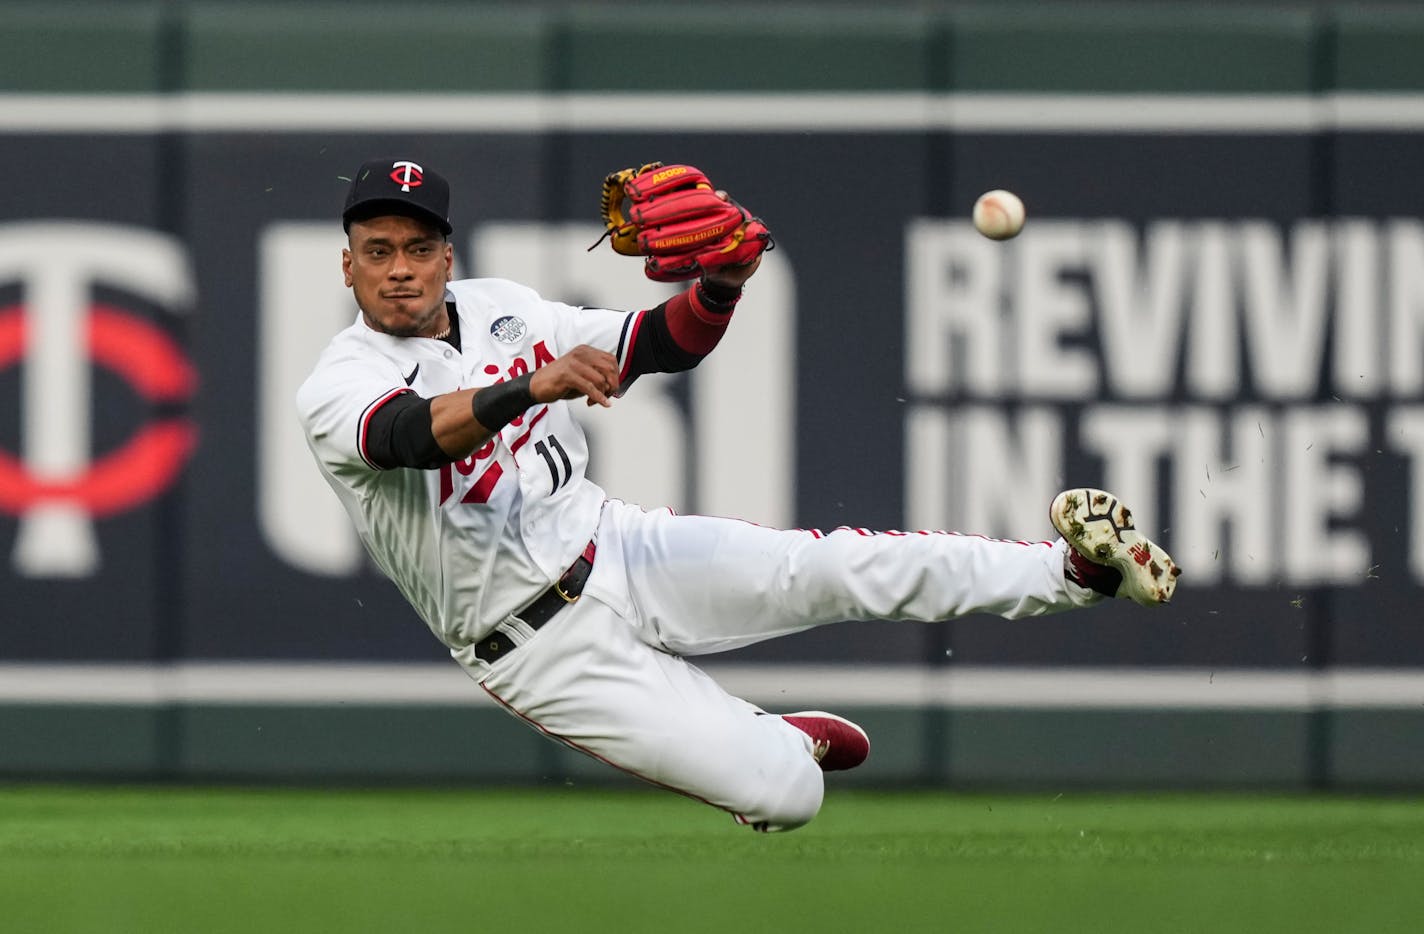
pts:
pixel 567 589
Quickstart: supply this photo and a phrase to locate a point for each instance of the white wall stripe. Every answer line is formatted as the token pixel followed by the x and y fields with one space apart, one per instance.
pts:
pixel 775 687
pixel 1133 113
pixel 1379 112
pixel 654 112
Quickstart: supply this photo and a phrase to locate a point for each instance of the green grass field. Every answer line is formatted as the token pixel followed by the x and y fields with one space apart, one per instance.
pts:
pixel 568 859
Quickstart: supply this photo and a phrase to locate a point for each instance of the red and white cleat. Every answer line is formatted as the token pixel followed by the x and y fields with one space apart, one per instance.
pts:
pixel 1106 553
pixel 837 744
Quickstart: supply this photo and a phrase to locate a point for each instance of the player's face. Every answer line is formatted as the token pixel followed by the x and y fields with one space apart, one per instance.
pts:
pixel 397 267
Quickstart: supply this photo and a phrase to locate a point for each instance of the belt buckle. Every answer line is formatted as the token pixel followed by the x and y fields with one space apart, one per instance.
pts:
pixel 559 584
pixel 559 589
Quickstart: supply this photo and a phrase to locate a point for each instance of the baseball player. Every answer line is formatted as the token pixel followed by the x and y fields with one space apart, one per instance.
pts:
pixel 442 418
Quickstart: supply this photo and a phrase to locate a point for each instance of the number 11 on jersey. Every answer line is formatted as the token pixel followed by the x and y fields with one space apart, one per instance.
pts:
pixel 556 478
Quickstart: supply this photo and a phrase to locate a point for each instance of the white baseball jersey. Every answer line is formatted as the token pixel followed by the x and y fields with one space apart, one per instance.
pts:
pixel 531 510
pixel 469 544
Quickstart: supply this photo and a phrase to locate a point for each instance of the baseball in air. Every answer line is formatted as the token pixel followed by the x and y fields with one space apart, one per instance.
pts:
pixel 998 214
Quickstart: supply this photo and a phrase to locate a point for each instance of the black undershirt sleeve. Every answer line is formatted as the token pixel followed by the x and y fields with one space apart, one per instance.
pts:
pixel 400 434
pixel 655 351
pixel 702 311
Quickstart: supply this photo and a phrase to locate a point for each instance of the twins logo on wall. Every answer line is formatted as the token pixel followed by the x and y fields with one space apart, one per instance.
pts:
pixel 55 484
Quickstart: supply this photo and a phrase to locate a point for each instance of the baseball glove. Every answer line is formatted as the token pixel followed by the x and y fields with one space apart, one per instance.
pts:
pixel 677 222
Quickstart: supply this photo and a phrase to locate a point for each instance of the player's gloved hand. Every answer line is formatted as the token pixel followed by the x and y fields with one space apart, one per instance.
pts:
pixel 683 227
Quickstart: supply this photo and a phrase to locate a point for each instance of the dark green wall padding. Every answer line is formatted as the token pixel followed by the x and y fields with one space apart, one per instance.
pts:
pixel 1363 749
pixel 433 47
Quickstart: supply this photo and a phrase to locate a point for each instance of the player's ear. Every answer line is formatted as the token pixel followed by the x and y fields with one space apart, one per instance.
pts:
pixel 346 266
pixel 449 262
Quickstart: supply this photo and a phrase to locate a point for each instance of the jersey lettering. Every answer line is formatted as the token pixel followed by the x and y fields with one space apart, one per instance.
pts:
pixel 480 492
pixel 484 485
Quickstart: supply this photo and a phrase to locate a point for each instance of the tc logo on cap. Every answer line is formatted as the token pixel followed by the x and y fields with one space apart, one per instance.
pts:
pixel 408 175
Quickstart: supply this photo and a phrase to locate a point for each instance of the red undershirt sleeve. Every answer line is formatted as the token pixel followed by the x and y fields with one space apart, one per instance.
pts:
pixel 677 334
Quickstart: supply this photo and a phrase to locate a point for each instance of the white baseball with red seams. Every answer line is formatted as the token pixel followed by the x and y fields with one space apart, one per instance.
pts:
pixel 999 214
pixel 472 543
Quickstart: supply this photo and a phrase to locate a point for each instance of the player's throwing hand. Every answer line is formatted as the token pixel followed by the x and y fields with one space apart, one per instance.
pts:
pixel 585 372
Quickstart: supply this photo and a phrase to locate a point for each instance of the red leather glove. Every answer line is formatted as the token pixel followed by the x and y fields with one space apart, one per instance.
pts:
pixel 678 222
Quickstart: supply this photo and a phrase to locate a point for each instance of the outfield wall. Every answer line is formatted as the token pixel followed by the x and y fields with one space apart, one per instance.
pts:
pixel 1217 310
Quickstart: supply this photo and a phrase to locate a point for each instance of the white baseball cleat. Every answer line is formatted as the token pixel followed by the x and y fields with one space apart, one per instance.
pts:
pixel 836 743
pixel 1106 553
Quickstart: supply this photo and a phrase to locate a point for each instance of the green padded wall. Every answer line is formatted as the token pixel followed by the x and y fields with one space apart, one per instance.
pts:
pixel 1379 50
pixel 1377 748
pixel 742 48
pixel 353 47
pixel 1364 749
pixel 82 49
pixel 1140 748
pixel 1181 50
pixel 146 45
pixel 367 742
pixel 80 740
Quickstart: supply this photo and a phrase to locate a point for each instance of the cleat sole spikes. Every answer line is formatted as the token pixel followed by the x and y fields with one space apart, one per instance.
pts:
pixel 1097 526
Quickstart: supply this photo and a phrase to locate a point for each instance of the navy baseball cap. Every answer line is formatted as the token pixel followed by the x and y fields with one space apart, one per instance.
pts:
pixel 397 186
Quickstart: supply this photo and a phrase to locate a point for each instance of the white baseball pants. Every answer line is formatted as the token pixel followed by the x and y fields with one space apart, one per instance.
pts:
pixel 607 675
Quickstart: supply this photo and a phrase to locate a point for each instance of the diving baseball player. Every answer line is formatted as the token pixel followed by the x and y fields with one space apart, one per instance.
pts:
pixel 442 419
